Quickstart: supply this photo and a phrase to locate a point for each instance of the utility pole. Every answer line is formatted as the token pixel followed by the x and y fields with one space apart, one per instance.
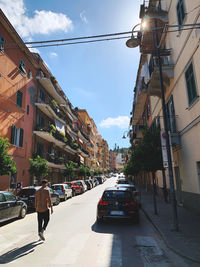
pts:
pixel 170 169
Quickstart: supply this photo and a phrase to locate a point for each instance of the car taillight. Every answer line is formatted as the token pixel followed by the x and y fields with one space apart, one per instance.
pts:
pixel 103 203
pixel 137 193
pixel 132 203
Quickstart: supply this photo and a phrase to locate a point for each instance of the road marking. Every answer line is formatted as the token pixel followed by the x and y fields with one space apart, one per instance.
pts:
pixel 70 253
pixel 110 251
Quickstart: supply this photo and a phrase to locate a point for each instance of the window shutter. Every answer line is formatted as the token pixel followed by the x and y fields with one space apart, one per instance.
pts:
pixel 21 137
pixel 13 134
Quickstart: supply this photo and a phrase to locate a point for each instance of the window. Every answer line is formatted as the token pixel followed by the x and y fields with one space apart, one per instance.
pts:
pixel 180 9
pixel 27 110
pixel 191 84
pixel 30 74
pixel 40 121
pixel 17 136
pixel 19 98
pixel 42 95
pixel 1 43
pixel 9 197
pixel 22 67
pixel 40 149
pixel 2 198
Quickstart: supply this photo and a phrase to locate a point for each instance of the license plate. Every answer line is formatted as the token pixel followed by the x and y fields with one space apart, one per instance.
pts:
pixel 116 212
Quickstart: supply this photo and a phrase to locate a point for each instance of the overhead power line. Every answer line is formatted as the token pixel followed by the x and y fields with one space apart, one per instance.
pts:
pixel 99 38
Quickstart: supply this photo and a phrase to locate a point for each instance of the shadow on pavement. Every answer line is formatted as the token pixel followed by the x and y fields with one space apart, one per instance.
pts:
pixel 19 252
pixel 120 240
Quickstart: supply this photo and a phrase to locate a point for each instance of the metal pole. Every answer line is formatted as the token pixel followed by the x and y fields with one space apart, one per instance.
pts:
pixel 171 178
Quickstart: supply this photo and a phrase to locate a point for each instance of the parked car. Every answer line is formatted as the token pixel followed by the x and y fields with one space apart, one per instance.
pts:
pixel 64 191
pixel 11 207
pixel 133 190
pixel 27 194
pixel 89 184
pixel 75 188
pixel 100 179
pixel 82 185
pixel 122 181
pixel 117 202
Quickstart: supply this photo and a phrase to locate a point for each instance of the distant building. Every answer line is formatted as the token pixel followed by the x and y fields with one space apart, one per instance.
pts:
pixel 112 160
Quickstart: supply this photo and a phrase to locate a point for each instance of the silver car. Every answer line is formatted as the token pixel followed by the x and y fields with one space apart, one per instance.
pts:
pixel 63 190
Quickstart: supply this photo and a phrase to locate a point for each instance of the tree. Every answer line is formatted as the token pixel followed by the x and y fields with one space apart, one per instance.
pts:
pixel 7 165
pixel 70 169
pixel 38 168
pixel 88 172
pixel 147 156
pixel 82 171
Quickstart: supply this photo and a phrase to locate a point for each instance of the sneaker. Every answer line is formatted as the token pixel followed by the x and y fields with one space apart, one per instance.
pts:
pixel 41 236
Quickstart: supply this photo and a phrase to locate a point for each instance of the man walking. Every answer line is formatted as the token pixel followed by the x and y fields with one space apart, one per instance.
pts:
pixel 42 205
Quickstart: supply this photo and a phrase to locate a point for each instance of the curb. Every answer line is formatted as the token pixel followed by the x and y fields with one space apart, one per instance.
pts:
pixel 165 241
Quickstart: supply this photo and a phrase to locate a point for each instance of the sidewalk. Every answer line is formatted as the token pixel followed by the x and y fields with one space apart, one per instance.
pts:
pixel 186 242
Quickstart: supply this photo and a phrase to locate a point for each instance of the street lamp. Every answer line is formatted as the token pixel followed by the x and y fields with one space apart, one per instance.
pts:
pixel 132 43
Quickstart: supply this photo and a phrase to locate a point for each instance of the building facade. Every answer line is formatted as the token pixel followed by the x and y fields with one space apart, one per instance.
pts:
pixel 179 50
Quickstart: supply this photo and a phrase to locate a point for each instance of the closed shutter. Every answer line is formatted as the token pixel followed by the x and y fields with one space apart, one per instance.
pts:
pixel 21 137
pixel 13 134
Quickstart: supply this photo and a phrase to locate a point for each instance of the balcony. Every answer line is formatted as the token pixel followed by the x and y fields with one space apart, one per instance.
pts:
pixel 167 71
pixel 48 86
pixel 83 136
pixel 71 130
pixel 151 14
pixel 49 111
pixel 53 136
pixel 139 101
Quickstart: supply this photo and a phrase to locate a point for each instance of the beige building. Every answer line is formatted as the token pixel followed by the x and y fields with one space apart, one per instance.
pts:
pixel 105 156
pixel 180 53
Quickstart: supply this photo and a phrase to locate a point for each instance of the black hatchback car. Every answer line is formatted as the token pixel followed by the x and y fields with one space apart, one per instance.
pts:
pixel 117 202
pixel 27 194
pixel 11 207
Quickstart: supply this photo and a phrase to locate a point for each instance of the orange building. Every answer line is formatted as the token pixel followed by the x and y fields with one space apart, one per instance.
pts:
pixel 17 69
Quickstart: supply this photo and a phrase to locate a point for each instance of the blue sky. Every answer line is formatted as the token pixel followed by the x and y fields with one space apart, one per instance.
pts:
pixel 99 77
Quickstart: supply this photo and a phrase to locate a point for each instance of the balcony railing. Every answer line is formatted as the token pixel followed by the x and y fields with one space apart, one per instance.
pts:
pixel 167 73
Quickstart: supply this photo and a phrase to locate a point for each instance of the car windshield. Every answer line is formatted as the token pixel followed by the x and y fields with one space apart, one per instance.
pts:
pixel 57 187
pixel 117 195
pixel 79 183
pixel 122 182
pixel 26 192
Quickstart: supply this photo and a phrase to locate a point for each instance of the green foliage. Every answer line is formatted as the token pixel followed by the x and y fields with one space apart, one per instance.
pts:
pixel 82 171
pixel 88 172
pixel 38 167
pixel 7 165
pixel 97 172
pixel 146 155
pixel 53 127
pixel 70 167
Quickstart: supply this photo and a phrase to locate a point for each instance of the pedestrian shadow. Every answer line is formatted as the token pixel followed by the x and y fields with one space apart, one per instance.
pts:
pixel 18 252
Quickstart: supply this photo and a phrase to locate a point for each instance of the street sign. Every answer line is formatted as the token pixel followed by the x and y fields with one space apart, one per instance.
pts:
pixel 164 148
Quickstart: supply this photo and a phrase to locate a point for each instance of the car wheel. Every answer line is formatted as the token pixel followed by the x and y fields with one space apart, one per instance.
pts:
pixel 22 213
pixel 57 201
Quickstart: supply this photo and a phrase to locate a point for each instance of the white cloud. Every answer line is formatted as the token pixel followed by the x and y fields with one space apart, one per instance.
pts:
pixel 53 54
pixel 43 22
pixel 83 17
pixel 121 122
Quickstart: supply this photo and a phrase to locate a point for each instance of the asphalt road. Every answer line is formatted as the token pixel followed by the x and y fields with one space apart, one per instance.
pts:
pixel 74 239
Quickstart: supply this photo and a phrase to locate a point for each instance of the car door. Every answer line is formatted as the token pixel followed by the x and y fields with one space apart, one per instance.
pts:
pixel 3 208
pixel 53 196
pixel 13 205
pixel 68 190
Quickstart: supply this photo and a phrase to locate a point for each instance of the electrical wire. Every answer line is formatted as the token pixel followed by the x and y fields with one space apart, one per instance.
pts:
pixel 66 41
